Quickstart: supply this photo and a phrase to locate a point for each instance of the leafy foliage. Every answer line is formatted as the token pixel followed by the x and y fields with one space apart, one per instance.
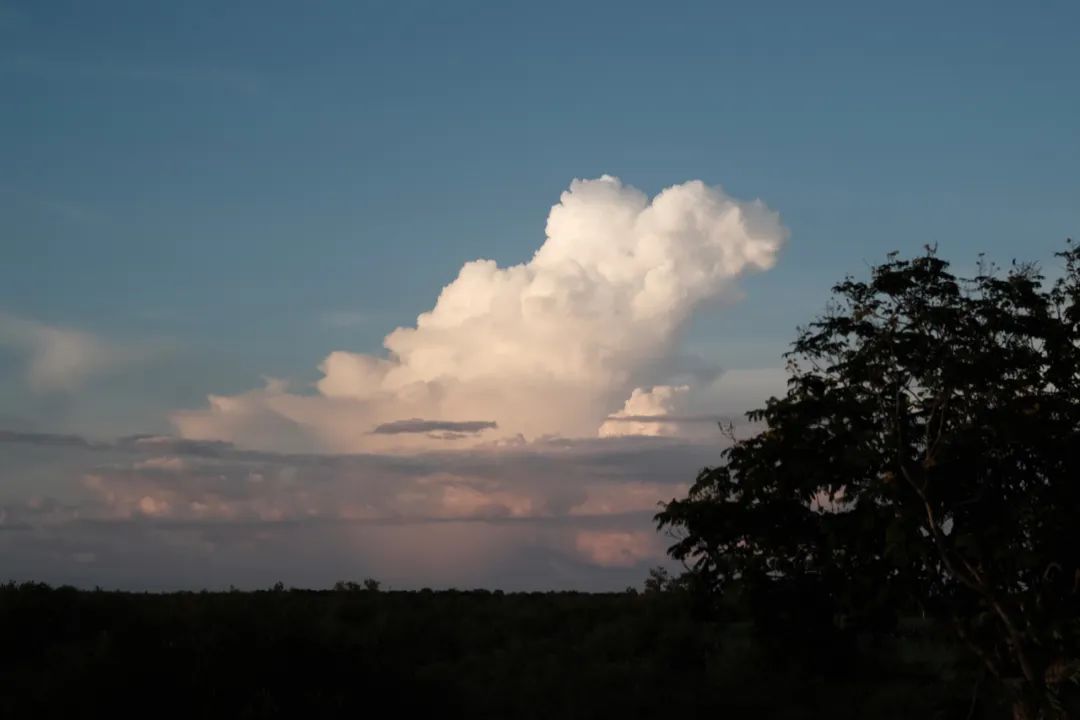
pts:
pixel 925 460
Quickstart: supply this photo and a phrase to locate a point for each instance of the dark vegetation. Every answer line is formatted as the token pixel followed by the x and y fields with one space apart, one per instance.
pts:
pixel 347 653
pixel 925 461
pixel 901 540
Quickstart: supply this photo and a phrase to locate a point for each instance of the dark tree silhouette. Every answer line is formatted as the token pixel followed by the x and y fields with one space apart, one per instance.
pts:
pixel 348 652
pixel 924 461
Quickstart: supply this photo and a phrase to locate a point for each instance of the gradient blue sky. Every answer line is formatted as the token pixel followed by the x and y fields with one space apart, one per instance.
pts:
pixel 250 185
pixel 226 174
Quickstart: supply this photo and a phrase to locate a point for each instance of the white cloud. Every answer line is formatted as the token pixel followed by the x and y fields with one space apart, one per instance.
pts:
pixel 660 401
pixel 550 346
pixel 60 359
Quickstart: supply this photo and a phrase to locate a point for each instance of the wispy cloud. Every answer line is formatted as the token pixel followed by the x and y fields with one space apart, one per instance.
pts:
pixel 64 210
pixel 416 425
pixel 58 359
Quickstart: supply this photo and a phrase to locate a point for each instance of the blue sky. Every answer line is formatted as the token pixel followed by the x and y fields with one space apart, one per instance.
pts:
pixel 237 189
pixel 227 175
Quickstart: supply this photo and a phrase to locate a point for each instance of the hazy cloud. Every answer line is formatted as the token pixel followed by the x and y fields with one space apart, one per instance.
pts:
pixel 47 439
pixel 62 359
pixel 416 425
pixel 167 506
pixel 618 548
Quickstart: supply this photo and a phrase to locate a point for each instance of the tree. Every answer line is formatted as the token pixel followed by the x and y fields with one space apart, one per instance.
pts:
pixel 659 580
pixel 369 585
pixel 924 460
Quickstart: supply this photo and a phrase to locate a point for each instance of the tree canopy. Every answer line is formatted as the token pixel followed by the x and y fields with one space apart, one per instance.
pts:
pixel 924 461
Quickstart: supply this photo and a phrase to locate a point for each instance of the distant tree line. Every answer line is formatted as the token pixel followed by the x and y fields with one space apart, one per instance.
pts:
pixel 351 652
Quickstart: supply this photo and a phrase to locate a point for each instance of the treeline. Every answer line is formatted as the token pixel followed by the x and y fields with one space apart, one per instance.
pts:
pixel 356 650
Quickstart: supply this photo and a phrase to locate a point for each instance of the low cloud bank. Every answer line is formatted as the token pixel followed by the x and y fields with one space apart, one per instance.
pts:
pixel 152 511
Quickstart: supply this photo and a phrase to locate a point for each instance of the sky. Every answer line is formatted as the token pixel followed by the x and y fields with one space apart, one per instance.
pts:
pixel 314 292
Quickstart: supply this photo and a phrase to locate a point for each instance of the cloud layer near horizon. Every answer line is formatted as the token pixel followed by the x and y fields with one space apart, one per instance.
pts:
pixel 150 511
pixel 586 328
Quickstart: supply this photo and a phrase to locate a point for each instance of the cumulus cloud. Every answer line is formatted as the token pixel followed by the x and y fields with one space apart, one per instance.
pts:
pixel 648 412
pixel 59 359
pixel 652 419
pixel 550 346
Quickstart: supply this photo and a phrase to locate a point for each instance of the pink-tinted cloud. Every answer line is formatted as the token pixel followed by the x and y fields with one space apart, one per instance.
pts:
pixel 619 548
pixel 551 513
